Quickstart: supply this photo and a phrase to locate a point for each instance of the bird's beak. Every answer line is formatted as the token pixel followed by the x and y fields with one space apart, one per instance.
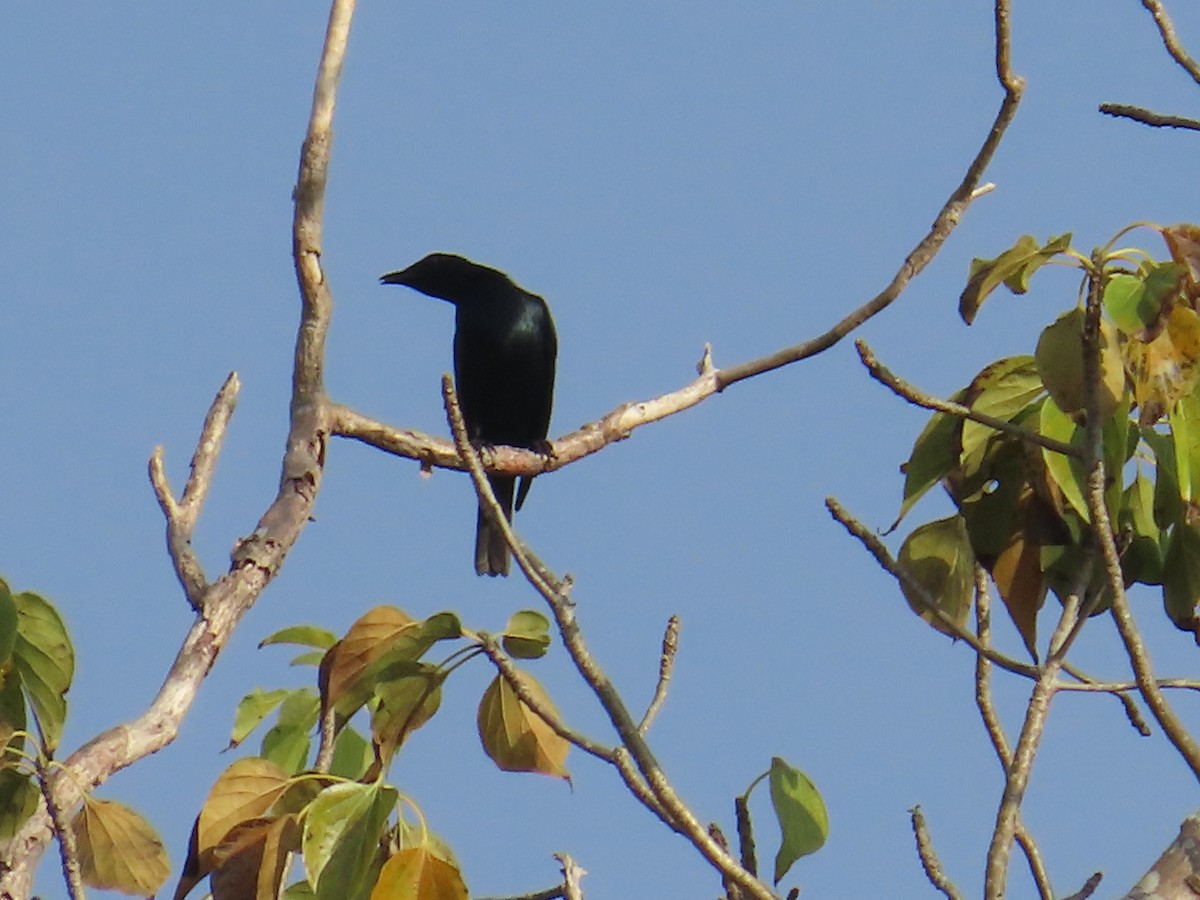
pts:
pixel 394 278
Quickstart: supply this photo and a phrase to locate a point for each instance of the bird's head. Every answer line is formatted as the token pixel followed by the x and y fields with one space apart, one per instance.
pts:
pixel 447 276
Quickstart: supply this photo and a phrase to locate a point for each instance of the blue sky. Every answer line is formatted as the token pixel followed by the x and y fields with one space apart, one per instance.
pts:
pixel 665 176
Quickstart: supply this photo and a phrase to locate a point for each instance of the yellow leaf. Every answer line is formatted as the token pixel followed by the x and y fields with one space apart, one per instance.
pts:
pixel 418 874
pixel 514 736
pixel 1165 369
pixel 244 791
pixel 1018 577
pixel 118 849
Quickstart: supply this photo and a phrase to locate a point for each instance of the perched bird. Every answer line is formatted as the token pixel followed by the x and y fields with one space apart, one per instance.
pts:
pixel 504 352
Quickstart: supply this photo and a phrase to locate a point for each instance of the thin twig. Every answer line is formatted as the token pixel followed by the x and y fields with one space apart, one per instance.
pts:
pixel 927 248
pixel 928 856
pixel 68 850
pixel 995 731
pixel 1148 117
pixel 181 516
pixel 1089 888
pixel 572 874
pixel 1166 30
pixel 918 397
pixel 666 664
pixel 1017 773
pixel 745 831
pixel 876 548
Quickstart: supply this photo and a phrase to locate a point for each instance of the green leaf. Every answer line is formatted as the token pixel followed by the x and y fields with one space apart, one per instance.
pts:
pixel 1134 302
pixel 1184 420
pixel 1066 471
pixel 408 698
pixel 255 707
pixel 287 746
pixel 8 626
pixel 1143 559
pixel 45 661
pixel 1012 268
pixel 1003 390
pixel 303 635
pixel 933 456
pixel 803 820
pixel 938 557
pixel 1181 576
pixel 342 830
pixel 527 635
pixel 19 796
pixel 1168 505
pixel 352 755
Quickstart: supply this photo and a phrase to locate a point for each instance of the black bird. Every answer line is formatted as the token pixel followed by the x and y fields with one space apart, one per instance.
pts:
pixel 504 352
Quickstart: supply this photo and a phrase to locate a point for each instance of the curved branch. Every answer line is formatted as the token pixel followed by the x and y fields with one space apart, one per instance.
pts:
pixel 1166 30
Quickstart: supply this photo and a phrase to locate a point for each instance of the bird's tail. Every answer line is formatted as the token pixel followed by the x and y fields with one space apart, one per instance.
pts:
pixel 491 552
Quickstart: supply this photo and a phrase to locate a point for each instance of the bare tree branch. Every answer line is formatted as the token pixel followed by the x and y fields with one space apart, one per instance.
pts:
pixel 876 548
pixel 903 389
pixel 68 849
pixel 1166 30
pixel 1148 117
pixel 181 517
pixel 928 856
pixel 995 731
pixel 666 664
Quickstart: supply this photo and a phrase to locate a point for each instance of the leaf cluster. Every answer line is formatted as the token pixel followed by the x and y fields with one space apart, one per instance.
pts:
pixel 1021 506
pixel 346 824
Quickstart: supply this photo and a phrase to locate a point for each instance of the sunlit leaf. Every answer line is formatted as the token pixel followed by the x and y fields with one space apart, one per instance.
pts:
pixel 381 637
pixel 255 707
pixel 418 874
pixel 118 849
pixel 352 754
pixel 515 737
pixel 1002 390
pixel 933 456
pixel 1011 268
pixel 45 661
pixel 803 819
pixel 246 790
pixel 938 557
pixel 1184 420
pixel 407 700
pixel 1067 472
pixel 342 830
pixel 1059 356
pixel 287 746
pixel 303 635
pixel 527 635
pixel 1134 301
